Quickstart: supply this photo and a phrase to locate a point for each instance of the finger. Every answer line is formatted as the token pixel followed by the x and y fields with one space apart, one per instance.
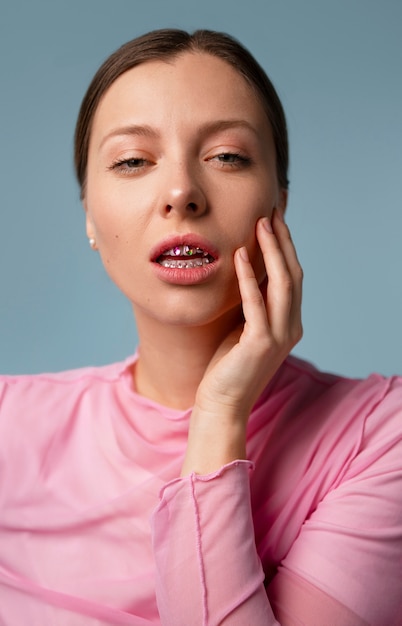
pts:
pixel 254 309
pixel 280 282
pixel 288 249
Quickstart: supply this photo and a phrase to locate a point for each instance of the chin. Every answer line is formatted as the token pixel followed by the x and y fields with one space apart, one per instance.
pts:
pixel 190 313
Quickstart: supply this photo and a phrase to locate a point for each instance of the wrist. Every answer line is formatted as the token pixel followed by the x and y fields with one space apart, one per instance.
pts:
pixel 213 441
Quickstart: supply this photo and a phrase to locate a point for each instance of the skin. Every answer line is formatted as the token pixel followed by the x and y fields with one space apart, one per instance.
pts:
pixel 182 172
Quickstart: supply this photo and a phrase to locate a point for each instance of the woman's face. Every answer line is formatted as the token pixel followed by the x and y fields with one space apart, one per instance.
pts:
pixel 181 165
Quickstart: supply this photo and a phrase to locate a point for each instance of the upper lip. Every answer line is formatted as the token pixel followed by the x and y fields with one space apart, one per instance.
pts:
pixel 187 239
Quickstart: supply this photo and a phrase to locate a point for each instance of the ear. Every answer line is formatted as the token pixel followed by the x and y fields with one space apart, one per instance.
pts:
pixel 90 228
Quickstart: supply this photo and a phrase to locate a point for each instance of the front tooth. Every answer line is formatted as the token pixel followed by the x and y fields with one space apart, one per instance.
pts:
pixel 176 251
pixel 190 251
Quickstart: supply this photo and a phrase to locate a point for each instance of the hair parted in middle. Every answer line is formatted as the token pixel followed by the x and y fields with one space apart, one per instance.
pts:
pixel 165 45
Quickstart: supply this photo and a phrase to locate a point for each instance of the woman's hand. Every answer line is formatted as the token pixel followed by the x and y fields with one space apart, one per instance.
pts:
pixel 249 357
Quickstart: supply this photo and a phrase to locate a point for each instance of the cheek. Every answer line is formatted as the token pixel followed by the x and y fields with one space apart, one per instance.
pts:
pixel 112 219
pixel 262 207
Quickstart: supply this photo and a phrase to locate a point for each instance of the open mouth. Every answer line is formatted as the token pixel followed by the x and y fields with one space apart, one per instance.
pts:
pixel 184 257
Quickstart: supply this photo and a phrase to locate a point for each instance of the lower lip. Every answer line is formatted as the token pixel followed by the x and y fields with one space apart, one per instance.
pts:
pixel 190 276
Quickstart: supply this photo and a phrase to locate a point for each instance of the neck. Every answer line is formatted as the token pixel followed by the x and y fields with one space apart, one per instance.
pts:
pixel 173 359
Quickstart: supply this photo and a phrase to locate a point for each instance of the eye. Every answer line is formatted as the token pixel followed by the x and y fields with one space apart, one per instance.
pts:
pixel 129 166
pixel 231 159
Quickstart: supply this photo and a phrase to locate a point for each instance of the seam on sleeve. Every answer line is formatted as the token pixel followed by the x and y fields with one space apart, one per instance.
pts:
pixel 204 477
pixel 219 472
pixel 199 552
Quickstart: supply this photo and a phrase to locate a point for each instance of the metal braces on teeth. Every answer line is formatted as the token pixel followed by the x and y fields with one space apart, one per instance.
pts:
pixel 184 264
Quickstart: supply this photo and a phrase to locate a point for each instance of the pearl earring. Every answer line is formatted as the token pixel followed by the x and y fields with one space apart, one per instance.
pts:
pixel 92 243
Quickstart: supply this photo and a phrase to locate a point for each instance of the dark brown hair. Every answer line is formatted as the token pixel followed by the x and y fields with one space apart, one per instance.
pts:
pixel 166 44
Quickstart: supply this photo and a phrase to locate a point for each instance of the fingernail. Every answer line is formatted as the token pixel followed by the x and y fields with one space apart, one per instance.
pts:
pixel 267 224
pixel 244 254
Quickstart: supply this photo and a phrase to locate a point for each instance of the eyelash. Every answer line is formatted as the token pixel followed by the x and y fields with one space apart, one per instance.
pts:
pixel 124 167
pixel 239 161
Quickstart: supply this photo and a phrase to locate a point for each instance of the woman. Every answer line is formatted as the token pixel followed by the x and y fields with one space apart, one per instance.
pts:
pixel 275 498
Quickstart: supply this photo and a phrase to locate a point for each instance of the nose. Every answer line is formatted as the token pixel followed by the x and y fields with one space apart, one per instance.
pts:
pixel 184 194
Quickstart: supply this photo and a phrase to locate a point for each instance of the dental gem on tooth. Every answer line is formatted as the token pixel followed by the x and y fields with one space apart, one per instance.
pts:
pixel 184 251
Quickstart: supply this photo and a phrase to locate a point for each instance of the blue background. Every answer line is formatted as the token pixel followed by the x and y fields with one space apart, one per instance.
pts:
pixel 338 69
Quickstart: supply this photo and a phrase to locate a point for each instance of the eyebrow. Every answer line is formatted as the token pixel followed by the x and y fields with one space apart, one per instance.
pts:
pixel 131 130
pixel 210 128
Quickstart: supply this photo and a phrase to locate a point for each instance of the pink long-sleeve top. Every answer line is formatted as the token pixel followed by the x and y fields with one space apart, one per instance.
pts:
pixel 96 528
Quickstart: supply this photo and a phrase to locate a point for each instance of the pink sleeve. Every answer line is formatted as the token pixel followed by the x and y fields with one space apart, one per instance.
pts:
pixel 208 570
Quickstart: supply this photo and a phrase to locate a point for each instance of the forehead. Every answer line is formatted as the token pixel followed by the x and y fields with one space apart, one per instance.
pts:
pixel 189 89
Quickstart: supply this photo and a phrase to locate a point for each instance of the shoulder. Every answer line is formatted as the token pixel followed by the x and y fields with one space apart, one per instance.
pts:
pixel 353 394
pixel 324 421
pixel 109 372
pixel 37 393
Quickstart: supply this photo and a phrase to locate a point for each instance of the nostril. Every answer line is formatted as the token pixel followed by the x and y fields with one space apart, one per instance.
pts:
pixel 191 207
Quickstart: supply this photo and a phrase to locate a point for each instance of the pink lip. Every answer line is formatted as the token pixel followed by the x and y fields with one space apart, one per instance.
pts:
pixel 191 276
pixel 190 239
